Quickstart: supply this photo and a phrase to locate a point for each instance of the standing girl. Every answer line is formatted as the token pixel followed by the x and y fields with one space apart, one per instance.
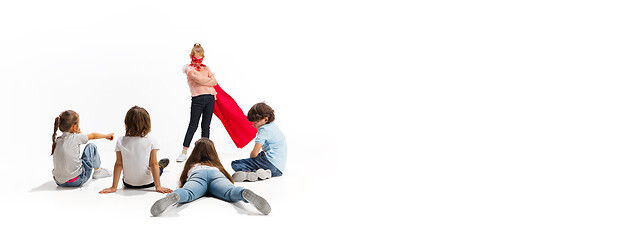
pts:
pixel 200 81
pixel 70 168
pixel 203 173
pixel 136 154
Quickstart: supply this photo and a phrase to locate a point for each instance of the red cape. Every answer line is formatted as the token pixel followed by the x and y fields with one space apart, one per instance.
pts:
pixel 234 120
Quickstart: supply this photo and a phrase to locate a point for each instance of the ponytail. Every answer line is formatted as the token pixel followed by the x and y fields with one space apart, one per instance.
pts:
pixel 64 122
pixel 53 137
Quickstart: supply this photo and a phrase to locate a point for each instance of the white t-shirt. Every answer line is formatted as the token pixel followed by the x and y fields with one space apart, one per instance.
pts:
pixel 136 152
pixel 199 166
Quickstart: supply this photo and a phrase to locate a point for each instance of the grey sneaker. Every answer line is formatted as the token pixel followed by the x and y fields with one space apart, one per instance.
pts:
pixel 101 173
pixel 163 163
pixel 239 176
pixel 162 204
pixel 257 201
pixel 263 174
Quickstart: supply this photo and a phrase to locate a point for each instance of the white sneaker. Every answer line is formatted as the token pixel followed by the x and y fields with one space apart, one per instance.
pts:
pixel 181 158
pixel 263 174
pixel 252 176
pixel 239 176
pixel 101 173
pixel 243 176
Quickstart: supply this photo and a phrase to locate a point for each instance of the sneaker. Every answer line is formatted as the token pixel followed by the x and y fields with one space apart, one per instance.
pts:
pixel 257 201
pixel 181 158
pixel 163 163
pixel 162 204
pixel 242 176
pixel 263 174
pixel 101 173
pixel 252 176
pixel 239 176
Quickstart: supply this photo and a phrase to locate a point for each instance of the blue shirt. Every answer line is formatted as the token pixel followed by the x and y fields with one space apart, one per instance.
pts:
pixel 273 144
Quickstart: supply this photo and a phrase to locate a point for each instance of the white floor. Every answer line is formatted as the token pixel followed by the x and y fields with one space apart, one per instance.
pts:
pixel 100 60
pixel 310 197
pixel 404 119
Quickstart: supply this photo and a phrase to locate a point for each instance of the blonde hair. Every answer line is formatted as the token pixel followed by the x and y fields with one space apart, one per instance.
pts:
pixel 197 49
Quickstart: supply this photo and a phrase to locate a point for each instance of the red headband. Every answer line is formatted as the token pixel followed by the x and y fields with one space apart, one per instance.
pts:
pixel 197 62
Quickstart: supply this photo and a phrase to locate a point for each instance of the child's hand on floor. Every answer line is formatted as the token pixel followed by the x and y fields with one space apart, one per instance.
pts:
pixel 108 190
pixel 163 190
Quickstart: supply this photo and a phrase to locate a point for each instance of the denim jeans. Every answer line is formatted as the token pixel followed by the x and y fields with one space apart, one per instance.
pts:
pixel 201 105
pixel 90 160
pixel 253 164
pixel 212 182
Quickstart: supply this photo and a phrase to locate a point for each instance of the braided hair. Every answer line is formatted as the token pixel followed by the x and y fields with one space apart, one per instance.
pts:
pixel 65 121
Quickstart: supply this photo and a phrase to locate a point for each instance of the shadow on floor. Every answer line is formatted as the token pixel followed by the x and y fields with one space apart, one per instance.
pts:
pixel 173 211
pixel 123 191
pixel 50 186
pixel 240 208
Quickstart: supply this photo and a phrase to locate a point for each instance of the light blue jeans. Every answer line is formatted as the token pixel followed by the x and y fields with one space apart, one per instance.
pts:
pixel 90 160
pixel 212 182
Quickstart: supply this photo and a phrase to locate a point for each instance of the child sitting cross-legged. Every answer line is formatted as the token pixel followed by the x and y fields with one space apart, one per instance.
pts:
pixel 267 159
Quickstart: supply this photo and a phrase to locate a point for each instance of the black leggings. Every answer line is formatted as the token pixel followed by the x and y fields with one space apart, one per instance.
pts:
pixel 146 185
pixel 201 104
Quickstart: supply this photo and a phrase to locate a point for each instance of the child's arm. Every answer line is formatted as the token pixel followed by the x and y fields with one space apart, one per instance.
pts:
pixel 257 149
pixel 209 81
pixel 109 136
pixel 153 165
pixel 118 168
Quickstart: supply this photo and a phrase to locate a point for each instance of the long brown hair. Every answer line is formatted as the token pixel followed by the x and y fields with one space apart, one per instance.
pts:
pixel 65 121
pixel 204 153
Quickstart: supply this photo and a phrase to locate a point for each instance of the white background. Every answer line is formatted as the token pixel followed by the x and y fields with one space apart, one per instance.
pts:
pixel 434 120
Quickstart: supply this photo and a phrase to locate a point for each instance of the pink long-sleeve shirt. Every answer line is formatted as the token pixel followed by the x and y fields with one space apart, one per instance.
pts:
pixel 200 82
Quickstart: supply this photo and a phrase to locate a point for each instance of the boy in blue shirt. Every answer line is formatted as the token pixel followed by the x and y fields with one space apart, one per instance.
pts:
pixel 270 162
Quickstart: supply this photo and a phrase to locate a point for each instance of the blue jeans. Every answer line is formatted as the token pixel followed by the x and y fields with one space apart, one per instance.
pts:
pixel 253 164
pixel 90 160
pixel 210 181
